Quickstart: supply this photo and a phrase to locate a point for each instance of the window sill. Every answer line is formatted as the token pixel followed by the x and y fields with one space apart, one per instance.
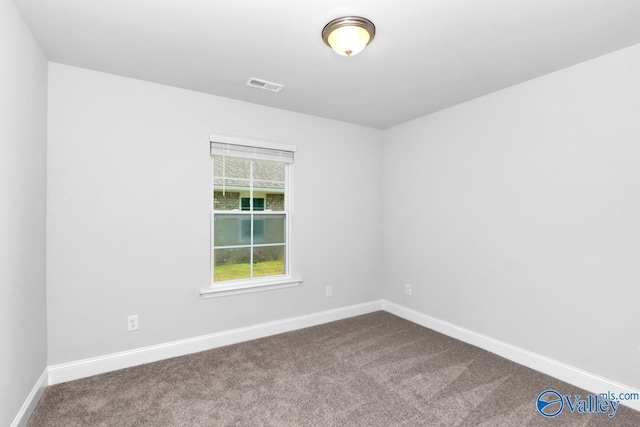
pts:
pixel 244 287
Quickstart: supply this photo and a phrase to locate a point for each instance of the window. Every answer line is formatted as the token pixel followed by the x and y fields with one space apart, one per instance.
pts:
pixel 258 204
pixel 250 215
pixel 247 223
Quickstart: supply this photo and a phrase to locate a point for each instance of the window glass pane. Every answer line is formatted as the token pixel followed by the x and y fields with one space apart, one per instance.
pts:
pixel 231 264
pixel 268 229
pixel 231 178
pixel 267 170
pixel 268 177
pixel 225 200
pixel 268 261
pixel 258 204
pixel 231 230
pixel 231 167
pixel 245 230
pixel 231 184
pixel 275 201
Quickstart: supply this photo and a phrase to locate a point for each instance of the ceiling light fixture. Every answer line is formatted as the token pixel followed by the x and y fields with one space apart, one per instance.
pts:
pixel 348 35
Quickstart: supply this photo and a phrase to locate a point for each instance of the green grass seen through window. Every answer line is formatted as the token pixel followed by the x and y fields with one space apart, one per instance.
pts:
pixel 242 271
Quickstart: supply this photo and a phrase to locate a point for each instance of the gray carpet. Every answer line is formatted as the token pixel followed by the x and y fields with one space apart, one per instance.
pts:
pixel 371 370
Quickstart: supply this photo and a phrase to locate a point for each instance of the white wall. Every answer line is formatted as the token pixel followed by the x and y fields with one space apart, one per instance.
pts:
pixel 517 215
pixel 128 213
pixel 23 106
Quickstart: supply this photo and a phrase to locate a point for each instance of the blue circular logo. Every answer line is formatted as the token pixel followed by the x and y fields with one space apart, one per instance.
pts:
pixel 550 403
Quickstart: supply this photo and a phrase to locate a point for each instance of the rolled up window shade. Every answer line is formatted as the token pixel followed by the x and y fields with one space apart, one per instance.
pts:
pixel 251 152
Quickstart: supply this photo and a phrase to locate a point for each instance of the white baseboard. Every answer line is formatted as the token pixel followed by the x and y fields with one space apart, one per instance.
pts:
pixel 32 400
pixel 561 371
pixel 126 359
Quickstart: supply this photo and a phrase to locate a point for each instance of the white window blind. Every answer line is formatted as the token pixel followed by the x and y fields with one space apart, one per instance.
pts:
pixel 251 152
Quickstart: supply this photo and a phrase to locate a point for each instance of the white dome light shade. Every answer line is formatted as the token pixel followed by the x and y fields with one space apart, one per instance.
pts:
pixel 348 41
pixel 348 36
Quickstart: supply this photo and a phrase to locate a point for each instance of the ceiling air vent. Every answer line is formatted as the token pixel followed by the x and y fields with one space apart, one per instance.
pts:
pixel 263 84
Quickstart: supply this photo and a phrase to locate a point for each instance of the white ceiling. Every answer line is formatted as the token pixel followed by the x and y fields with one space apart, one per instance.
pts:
pixel 427 54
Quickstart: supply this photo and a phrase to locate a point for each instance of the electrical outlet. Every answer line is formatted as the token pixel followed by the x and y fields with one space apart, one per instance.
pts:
pixel 407 289
pixel 133 322
pixel 329 291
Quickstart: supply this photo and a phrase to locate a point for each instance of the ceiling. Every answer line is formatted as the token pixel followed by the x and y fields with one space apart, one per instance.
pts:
pixel 427 54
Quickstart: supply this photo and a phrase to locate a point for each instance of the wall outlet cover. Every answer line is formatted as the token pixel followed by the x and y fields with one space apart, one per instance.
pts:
pixel 132 323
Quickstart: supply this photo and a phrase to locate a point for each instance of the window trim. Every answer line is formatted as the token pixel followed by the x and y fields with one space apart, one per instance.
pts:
pixel 255 285
pixel 241 286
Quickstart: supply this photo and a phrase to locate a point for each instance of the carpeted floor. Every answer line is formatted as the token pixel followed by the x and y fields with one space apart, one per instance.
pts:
pixel 370 370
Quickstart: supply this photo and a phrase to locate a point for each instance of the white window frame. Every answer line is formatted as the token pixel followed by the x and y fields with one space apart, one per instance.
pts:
pixel 241 286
